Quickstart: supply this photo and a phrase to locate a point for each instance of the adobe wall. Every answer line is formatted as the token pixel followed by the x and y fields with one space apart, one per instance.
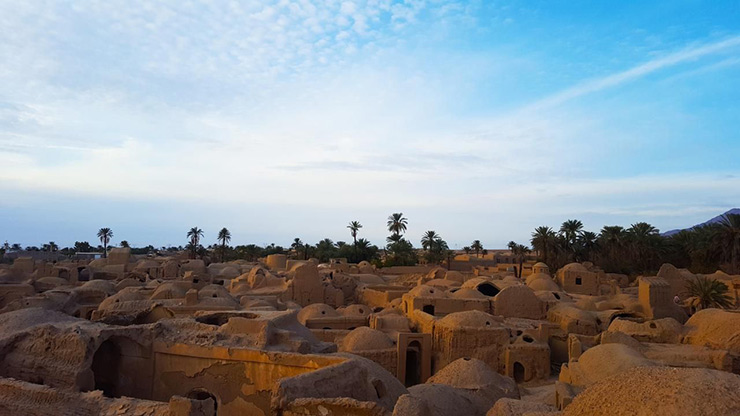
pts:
pixel 241 380
pixel 449 344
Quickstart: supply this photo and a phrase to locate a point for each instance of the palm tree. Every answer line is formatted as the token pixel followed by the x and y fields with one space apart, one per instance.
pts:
pixel 466 249
pixel 710 293
pixel 195 234
pixel 477 247
pixel 428 239
pixel 571 229
pixel 519 251
pixel 397 223
pixel 224 236
pixel 644 240
pixel 354 227
pixel 394 238
pixel 727 236
pixel 125 244
pixel 105 234
pixel 53 246
pixel 588 244
pixel 543 240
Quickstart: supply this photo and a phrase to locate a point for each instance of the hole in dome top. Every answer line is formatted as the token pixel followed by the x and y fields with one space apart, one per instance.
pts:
pixel 362 310
pixel 556 295
pixel 488 323
pixel 652 325
pixel 528 338
pixel 466 358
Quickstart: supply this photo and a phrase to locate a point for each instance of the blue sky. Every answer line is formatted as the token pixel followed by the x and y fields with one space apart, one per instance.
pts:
pixel 277 119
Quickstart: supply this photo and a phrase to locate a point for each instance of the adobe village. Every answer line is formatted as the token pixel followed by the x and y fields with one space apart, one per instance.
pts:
pixel 624 322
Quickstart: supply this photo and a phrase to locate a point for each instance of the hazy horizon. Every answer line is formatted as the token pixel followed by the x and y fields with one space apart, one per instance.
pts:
pixel 479 120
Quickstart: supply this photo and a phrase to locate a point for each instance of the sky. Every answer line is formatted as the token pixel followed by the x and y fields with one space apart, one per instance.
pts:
pixel 283 119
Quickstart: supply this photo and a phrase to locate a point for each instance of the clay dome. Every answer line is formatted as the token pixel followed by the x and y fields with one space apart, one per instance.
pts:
pixel 475 319
pixel 364 263
pixel 214 291
pixel 544 282
pixel 316 310
pixel 575 267
pixel 125 295
pixel 48 283
pixel 169 290
pixel 128 282
pixel 714 328
pixel 467 293
pixel 365 339
pixel 471 373
pixel 146 264
pixel 229 272
pixel 484 286
pixel 454 276
pixel 661 391
pixel 424 291
pixel 356 310
pixel 606 360
pixel 510 279
pixel 101 285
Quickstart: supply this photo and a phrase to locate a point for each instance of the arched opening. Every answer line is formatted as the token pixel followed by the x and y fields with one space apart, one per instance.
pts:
pixel 105 368
pixel 488 289
pixel 202 394
pixel 83 274
pixel 626 316
pixel 518 372
pixel 428 309
pixel 413 364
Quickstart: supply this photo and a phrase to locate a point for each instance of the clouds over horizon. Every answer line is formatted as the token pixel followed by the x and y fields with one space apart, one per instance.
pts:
pixel 448 111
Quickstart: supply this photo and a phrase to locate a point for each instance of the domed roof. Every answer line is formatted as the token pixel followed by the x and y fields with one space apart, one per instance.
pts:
pixel 365 339
pixel 714 328
pixel 544 282
pixel 48 283
pixel 540 265
pixel 316 310
pixel 102 285
pixel 471 373
pixel 169 290
pixel 229 272
pixel 214 291
pixel 475 319
pixel 606 360
pixel 510 279
pixel 424 291
pixel 661 391
pixel 575 267
pixel 468 293
pixel 356 310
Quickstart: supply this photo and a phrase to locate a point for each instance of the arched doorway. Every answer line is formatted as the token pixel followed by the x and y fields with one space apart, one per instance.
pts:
pixel 202 394
pixel 518 372
pixel 105 368
pixel 413 364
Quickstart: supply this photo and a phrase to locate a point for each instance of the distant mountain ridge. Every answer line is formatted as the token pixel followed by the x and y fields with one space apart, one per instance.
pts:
pixel 716 219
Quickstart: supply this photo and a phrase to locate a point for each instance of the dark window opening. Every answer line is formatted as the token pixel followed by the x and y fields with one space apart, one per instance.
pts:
pixel 428 309
pixel 579 281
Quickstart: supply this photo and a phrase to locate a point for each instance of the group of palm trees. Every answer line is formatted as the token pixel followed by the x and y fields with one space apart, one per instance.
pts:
pixel 640 248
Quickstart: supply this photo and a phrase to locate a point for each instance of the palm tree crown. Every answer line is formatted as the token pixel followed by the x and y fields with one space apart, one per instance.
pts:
pixel 397 223
pixel 105 234
pixel 477 247
pixel 354 227
pixel 429 238
pixel 709 293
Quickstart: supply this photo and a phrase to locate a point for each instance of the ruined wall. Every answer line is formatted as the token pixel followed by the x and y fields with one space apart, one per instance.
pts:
pixel 241 380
